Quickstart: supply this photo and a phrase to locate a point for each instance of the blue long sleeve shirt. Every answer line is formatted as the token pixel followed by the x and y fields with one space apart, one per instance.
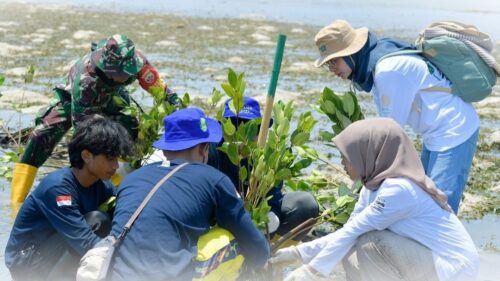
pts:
pixel 161 244
pixel 57 207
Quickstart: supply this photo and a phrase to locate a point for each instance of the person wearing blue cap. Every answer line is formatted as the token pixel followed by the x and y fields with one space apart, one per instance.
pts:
pixel 288 210
pixel 162 242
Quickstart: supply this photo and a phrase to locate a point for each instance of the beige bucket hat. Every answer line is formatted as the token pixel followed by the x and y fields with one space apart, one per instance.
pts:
pixel 339 39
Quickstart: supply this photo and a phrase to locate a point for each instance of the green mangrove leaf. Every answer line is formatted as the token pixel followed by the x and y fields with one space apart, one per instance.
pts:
pixel 251 129
pixel 240 132
pixel 301 151
pixel 348 104
pixel 216 96
pixel 186 100
pixel 228 126
pixel 329 107
pixel 9 157
pixel 237 103
pixel 345 121
pixel 307 121
pixel 337 128
pixel 328 94
pixel 158 93
pixel 311 152
pixel 243 173
pixel 241 87
pixel 232 153
pixel 219 115
pixel 300 138
pixel 342 218
pixel 356 187
pixel 302 185
pixel 130 111
pixel 232 78
pixel 241 79
pixel 299 165
pixel 283 174
pixel 223 147
pixel 344 200
pixel 161 111
pixel 343 189
pixel 30 74
pixel 291 184
pixel 326 136
pixel 245 150
pixel 272 139
pixel 273 159
pixel 229 90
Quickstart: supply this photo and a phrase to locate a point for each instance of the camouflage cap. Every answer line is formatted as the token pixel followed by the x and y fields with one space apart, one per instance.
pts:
pixel 117 57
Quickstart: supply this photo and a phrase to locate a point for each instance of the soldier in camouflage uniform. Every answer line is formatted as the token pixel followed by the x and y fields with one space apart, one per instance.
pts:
pixel 94 85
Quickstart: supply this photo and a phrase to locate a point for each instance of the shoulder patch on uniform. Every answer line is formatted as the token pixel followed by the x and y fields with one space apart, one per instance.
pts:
pixel 63 200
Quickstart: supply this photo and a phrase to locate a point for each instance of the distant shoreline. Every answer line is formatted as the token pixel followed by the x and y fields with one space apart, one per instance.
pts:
pixel 403 16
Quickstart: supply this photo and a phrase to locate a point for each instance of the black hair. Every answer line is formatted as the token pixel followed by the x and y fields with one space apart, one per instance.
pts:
pixel 99 135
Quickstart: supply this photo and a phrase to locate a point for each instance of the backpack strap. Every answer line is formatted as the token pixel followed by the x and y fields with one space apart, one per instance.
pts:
pixel 134 216
pixel 415 52
pixel 437 89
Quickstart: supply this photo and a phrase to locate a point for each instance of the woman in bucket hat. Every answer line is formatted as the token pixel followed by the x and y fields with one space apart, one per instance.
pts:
pixel 399 85
pixel 95 84
pixel 401 227
pixel 165 239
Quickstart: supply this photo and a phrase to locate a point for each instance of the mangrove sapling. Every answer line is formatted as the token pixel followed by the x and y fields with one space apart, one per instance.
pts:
pixel 341 109
pixel 276 161
pixel 338 203
pixel 150 122
pixel 336 199
pixel 334 196
pixel 210 106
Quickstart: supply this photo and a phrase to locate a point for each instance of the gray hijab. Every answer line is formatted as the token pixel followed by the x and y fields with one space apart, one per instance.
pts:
pixel 378 148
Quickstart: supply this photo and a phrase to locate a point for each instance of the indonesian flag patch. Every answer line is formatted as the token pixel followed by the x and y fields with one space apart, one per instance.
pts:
pixel 63 200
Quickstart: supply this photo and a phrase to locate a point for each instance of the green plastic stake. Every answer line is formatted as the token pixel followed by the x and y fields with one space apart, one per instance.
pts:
pixel 278 57
pixel 268 109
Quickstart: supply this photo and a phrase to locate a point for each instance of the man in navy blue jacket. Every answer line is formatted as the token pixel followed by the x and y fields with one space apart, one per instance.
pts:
pixel 289 209
pixel 51 233
pixel 162 242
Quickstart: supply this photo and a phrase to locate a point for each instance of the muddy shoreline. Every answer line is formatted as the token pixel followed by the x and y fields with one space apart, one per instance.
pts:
pixel 192 55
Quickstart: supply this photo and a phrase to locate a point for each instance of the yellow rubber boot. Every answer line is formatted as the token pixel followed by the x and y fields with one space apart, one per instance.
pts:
pixel 22 180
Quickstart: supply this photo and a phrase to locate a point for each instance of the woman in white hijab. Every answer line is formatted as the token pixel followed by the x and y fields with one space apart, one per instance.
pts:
pixel 401 227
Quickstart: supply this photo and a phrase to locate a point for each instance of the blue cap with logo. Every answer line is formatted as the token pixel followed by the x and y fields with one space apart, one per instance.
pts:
pixel 186 128
pixel 250 110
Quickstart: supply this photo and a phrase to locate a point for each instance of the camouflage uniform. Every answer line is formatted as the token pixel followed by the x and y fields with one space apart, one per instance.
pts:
pixel 94 85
